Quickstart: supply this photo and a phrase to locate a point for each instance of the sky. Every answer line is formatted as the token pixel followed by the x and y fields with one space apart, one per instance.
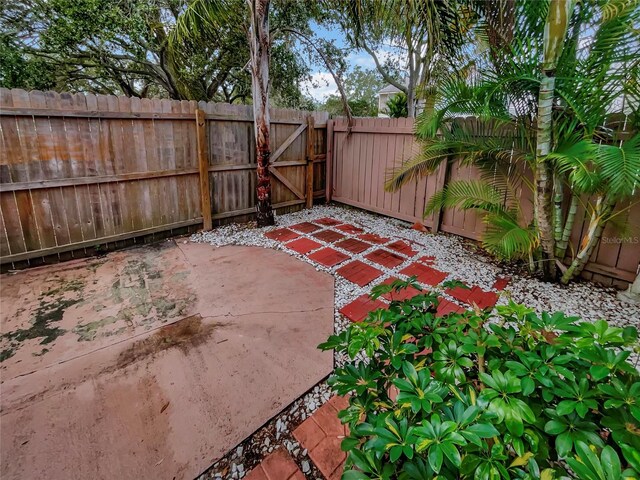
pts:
pixel 321 84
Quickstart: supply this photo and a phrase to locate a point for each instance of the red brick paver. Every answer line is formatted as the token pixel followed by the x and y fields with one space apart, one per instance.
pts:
pixel 445 307
pixel 305 227
pixel 424 274
pixel 373 238
pixel 281 234
pixel 459 293
pixel 303 245
pixel 401 295
pixel 384 258
pixel 321 435
pixel 427 260
pixel 353 245
pixel 358 310
pixel 328 236
pixel 327 221
pixel 481 298
pixel 349 228
pixel 277 466
pixel 328 257
pixel 359 272
pixel 501 283
pixel 402 247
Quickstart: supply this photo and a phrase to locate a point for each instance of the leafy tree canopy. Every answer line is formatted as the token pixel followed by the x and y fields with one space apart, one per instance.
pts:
pixel 362 87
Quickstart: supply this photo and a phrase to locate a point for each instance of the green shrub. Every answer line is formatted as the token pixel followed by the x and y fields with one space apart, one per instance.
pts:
pixel 486 396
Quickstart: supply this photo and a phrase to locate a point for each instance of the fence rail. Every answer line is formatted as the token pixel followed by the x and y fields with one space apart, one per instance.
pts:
pixel 363 156
pixel 84 170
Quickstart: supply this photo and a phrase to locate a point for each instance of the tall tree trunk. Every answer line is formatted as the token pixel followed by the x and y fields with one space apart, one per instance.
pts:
pixel 599 217
pixel 260 51
pixel 554 33
pixel 561 246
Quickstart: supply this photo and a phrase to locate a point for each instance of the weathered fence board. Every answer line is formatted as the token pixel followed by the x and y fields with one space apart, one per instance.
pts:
pixel 83 170
pixel 363 158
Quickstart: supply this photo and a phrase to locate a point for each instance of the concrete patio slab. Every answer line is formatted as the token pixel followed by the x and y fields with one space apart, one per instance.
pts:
pixel 154 362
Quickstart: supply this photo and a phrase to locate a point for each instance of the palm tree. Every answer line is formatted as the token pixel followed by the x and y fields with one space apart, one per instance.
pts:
pixel 554 115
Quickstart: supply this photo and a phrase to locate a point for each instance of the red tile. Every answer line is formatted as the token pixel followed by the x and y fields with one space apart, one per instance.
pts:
pixel 425 274
pixel 353 245
pixel 459 293
pixel 281 234
pixel 309 433
pixel 420 227
pixel 402 247
pixel 327 419
pixel 328 236
pixel 256 474
pixel 445 307
pixel 373 238
pixel 327 221
pixel 501 283
pixel 328 456
pixel 384 258
pixel 358 310
pixel 481 298
pixel 349 228
pixel 359 272
pixel 303 245
pixel 339 402
pixel 305 227
pixel 328 257
pixel 404 294
pixel 427 260
pixel 279 465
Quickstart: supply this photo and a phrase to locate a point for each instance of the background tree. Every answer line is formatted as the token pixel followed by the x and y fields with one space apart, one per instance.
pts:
pixel 121 47
pixel 361 87
pixel 397 106
pixel 426 33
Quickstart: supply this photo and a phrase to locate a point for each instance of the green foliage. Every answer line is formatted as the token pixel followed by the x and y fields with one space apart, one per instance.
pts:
pixel 397 106
pixel 486 396
pixel 361 87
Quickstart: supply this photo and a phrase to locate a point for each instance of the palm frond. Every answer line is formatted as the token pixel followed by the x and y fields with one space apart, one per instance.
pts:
pixel 506 238
pixel 200 19
pixel 620 167
pixel 466 195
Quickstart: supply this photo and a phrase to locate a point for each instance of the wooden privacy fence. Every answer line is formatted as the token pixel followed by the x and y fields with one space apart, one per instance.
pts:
pixel 362 159
pixel 79 170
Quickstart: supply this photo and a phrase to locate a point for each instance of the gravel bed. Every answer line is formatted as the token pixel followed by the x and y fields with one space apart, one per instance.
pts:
pixel 461 258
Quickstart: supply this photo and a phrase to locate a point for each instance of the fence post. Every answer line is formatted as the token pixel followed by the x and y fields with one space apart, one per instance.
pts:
pixel 203 167
pixel 329 163
pixel 311 155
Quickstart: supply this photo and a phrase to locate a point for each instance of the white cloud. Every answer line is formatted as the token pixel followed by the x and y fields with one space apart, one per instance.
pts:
pixel 320 86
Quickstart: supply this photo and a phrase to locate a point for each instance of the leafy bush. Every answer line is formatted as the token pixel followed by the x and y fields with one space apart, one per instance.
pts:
pixel 486 396
pixel 397 106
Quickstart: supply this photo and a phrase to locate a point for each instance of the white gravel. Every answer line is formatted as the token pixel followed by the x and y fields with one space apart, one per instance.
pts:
pixel 452 254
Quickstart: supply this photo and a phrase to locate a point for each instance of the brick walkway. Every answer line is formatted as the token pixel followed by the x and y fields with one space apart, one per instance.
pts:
pixel 332 243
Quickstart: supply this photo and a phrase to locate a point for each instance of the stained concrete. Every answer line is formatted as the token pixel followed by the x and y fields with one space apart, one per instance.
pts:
pixel 154 362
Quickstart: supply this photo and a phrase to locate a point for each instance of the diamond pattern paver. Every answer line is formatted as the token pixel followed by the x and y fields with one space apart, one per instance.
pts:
pixel 327 221
pixel 303 245
pixel 358 310
pixel 385 258
pixel 425 274
pixel 349 228
pixel 402 247
pixel 401 295
pixel 353 245
pixel 373 238
pixel 305 227
pixel 321 434
pixel 359 272
pixel 328 236
pixel 482 298
pixel 277 466
pixel 445 307
pixel 459 293
pixel 501 283
pixel 328 257
pixel 282 234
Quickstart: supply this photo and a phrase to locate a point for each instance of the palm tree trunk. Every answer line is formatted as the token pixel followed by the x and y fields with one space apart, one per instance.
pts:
pixel 554 33
pixel 260 51
pixel 561 246
pixel 599 218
